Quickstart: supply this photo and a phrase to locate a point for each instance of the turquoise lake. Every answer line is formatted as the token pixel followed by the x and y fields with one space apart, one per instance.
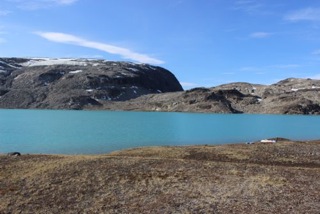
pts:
pixel 96 132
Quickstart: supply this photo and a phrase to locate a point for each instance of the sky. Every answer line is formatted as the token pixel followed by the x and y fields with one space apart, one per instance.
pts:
pixel 203 42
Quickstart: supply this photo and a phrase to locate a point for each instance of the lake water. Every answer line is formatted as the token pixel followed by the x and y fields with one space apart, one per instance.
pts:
pixel 95 132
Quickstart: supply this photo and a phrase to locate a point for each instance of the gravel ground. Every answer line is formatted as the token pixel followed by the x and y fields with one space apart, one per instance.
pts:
pixel 283 177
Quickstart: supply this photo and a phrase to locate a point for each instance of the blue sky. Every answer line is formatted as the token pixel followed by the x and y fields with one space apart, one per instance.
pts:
pixel 203 42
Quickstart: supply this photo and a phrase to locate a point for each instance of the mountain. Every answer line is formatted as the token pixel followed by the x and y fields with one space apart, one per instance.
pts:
pixel 78 83
pixel 289 96
pixel 98 84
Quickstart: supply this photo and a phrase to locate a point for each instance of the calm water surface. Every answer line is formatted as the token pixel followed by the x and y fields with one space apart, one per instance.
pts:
pixel 94 132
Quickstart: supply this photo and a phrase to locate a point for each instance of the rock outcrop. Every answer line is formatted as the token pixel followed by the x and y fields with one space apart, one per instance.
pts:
pixel 78 83
pixel 290 96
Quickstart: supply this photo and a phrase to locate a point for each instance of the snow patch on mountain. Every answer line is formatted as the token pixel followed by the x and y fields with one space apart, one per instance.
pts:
pixel 48 61
pixel 76 72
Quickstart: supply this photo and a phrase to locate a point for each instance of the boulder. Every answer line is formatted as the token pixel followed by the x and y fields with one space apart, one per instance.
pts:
pixel 14 154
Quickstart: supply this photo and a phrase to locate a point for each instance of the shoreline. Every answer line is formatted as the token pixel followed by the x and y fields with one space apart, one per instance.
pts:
pixel 267 141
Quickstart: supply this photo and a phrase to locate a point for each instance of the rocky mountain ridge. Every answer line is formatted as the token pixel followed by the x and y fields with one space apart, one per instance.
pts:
pixel 106 85
pixel 77 83
pixel 290 96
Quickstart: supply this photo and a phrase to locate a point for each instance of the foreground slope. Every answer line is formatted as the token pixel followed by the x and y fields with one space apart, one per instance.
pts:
pixel 262 178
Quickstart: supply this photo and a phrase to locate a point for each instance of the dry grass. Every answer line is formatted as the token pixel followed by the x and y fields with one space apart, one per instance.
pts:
pixel 260 178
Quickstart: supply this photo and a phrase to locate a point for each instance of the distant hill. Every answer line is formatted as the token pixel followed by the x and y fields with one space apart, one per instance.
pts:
pixel 289 96
pixel 98 84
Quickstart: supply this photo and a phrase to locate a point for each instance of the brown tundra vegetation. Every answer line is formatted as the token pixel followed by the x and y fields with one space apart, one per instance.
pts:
pixel 282 177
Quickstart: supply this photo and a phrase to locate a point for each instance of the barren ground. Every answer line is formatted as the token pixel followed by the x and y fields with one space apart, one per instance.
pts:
pixel 262 178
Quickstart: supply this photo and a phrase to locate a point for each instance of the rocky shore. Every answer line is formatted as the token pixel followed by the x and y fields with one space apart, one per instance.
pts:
pixel 282 177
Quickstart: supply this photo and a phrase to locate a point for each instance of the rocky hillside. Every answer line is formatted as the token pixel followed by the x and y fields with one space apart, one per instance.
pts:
pixel 77 83
pixel 290 96
pixel 100 84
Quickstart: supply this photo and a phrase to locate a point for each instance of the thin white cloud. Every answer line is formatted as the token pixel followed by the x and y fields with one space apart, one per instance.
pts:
pixel 260 35
pixel 65 1
pixel 250 69
pixel 40 4
pixel 4 12
pixel 249 6
pixel 111 49
pixel 264 69
pixel 228 73
pixel 285 66
pixel 307 14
